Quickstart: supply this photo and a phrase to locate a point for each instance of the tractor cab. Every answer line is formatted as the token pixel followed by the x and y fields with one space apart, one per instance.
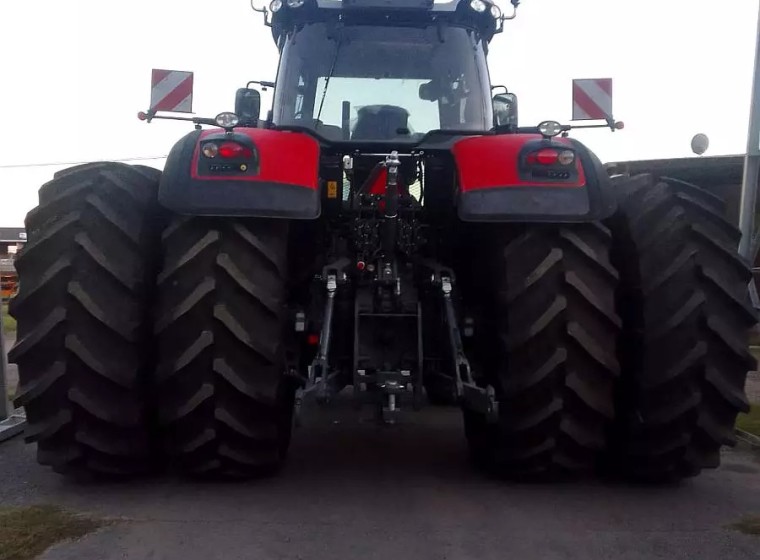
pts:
pixel 373 71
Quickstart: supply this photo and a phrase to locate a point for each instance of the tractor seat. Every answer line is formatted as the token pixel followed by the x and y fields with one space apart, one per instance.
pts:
pixel 381 122
pixel 327 131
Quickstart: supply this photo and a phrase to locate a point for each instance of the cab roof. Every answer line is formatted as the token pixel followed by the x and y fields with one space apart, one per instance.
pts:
pixel 482 15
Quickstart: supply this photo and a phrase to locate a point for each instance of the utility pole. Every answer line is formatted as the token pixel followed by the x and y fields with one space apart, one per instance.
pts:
pixel 751 164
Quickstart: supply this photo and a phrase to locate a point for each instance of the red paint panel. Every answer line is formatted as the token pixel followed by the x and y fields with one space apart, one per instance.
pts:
pixel 379 185
pixel 290 158
pixel 485 162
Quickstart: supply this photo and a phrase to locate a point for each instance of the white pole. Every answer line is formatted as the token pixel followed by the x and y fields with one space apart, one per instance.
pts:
pixel 751 163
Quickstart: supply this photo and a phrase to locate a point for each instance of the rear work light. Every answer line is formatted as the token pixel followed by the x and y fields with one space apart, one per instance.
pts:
pixel 233 150
pixel 551 156
pixel 210 150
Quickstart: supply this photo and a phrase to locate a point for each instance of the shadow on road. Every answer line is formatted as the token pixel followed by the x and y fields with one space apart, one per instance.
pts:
pixel 353 489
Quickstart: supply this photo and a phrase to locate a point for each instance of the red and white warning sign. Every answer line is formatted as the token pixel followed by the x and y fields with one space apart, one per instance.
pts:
pixel 171 90
pixel 592 99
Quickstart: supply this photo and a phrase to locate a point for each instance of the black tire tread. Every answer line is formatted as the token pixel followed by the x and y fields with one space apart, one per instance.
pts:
pixel 555 366
pixel 225 405
pixel 687 318
pixel 83 319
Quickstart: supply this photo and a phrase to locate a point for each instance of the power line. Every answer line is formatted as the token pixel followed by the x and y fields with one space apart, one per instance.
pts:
pixel 68 163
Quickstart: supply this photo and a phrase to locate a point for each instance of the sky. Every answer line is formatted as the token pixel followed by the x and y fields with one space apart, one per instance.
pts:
pixel 74 74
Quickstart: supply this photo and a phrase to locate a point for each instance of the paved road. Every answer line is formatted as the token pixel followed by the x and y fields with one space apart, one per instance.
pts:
pixel 358 491
pixel 355 490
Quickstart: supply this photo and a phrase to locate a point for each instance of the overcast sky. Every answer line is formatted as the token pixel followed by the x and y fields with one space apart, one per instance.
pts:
pixel 74 73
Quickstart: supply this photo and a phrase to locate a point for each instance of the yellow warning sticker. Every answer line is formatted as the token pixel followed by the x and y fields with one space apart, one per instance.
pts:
pixel 332 189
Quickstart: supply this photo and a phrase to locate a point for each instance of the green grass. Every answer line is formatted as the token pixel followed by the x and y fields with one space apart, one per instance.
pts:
pixel 750 422
pixel 9 323
pixel 27 532
pixel 749 525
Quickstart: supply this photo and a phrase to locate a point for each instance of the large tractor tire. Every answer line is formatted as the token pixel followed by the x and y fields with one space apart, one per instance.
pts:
pixel 687 318
pixel 85 293
pixel 552 353
pixel 225 403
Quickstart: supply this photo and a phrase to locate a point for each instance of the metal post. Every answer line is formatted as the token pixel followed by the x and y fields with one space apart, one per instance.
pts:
pixel 751 163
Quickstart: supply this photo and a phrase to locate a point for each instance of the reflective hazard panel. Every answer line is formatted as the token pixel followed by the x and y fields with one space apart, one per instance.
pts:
pixel 592 99
pixel 171 90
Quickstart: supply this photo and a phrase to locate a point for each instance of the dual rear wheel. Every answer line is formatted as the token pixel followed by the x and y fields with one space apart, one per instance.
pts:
pixel 141 336
pixel 622 346
pixel 144 339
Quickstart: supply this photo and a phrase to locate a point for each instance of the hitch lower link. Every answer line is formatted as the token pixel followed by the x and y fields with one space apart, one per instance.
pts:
pixel 319 382
pixel 472 396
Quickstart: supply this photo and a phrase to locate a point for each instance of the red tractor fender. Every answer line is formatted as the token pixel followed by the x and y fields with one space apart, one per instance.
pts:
pixel 528 178
pixel 487 162
pixel 251 172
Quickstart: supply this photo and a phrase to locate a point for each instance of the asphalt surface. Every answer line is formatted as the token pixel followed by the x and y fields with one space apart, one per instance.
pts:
pixel 356 490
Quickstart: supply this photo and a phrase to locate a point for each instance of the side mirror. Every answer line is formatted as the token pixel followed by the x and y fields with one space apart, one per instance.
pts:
pixel 505 110
pixel 248 106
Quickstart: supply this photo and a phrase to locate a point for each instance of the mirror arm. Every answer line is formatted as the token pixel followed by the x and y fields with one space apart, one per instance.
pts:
pixel 267 21
pixel 264 84
pixel 509 17
pixel 151 114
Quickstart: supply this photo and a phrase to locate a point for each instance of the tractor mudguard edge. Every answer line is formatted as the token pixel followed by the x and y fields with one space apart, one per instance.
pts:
pixel 516 202
pixel 255 196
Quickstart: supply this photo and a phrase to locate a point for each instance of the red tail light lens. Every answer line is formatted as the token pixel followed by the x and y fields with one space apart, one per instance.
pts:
pixel 550 156
pixel 546 156
pixel 233 150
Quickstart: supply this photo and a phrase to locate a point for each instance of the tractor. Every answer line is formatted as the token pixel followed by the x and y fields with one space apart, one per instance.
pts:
pixel 390 234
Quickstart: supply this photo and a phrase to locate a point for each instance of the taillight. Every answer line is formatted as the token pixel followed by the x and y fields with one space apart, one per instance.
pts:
pixel 544 157
pixel 550 156
pixel 233 150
